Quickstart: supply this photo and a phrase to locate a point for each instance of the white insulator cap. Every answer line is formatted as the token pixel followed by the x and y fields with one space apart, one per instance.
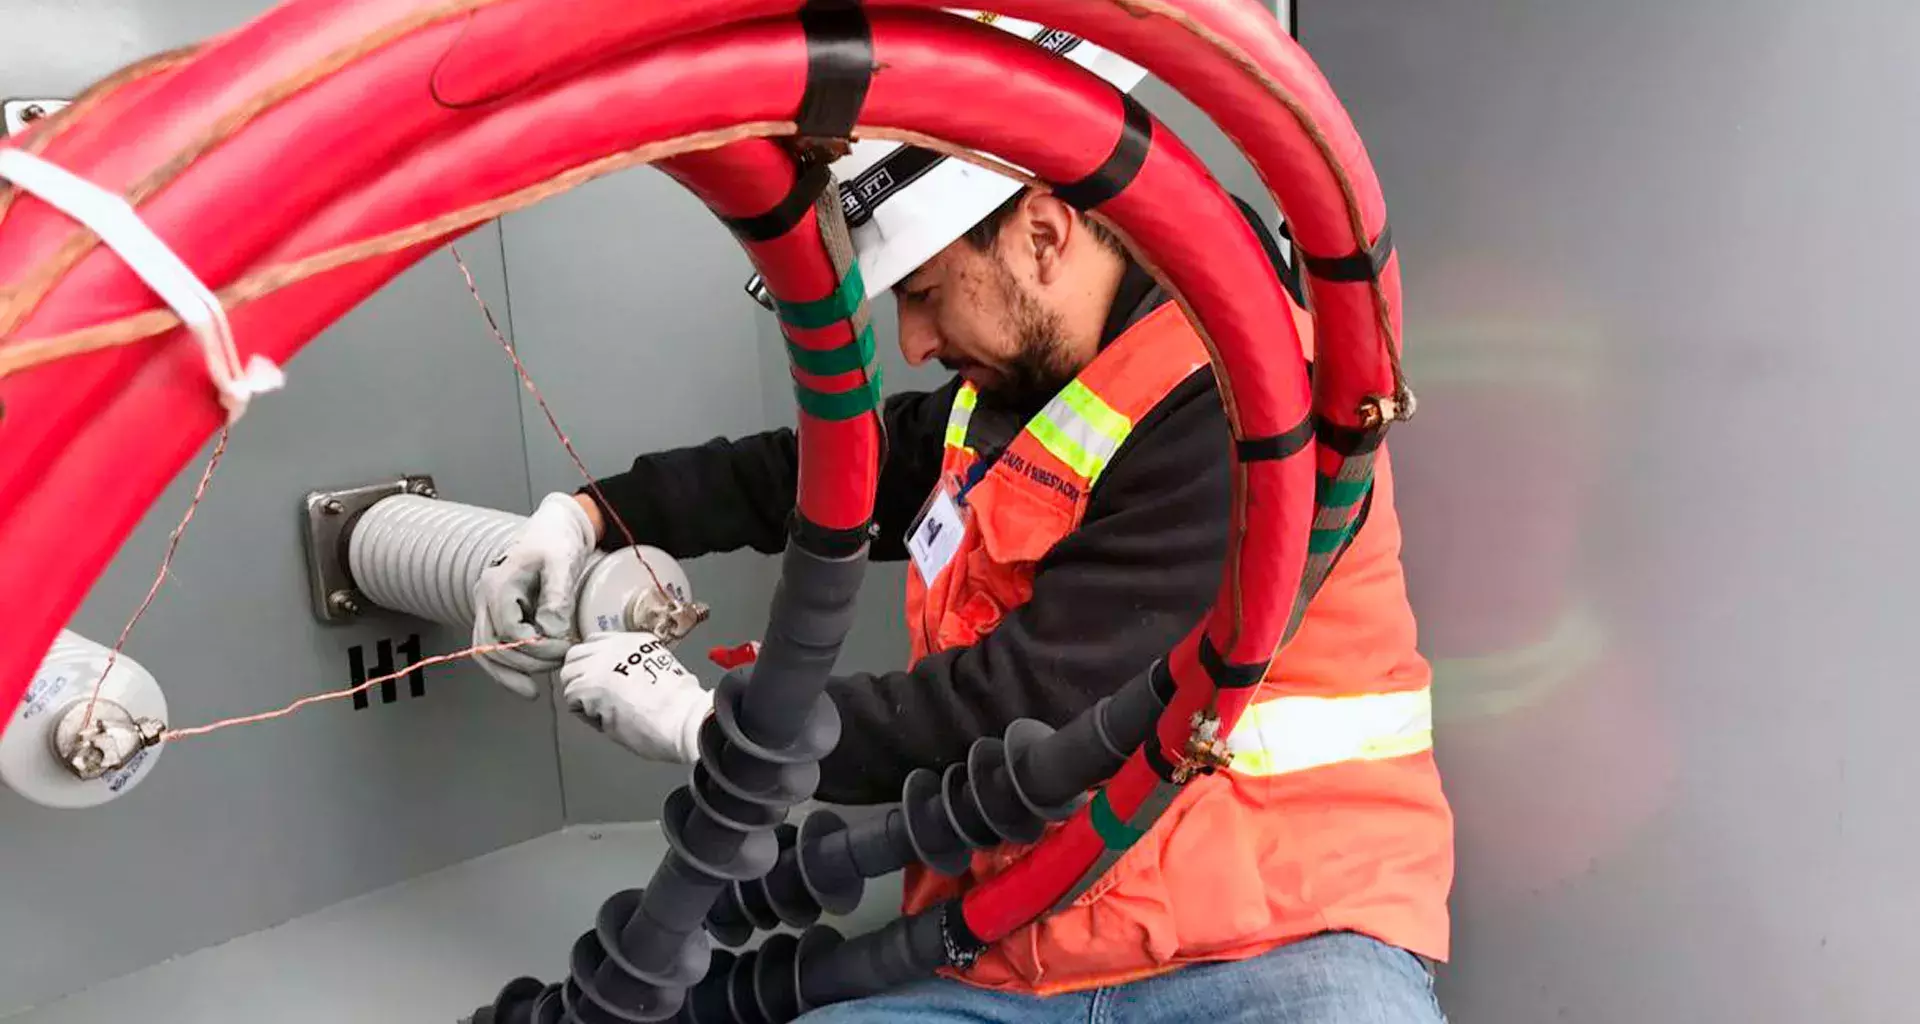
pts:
pixel 624 584
pixel 30 762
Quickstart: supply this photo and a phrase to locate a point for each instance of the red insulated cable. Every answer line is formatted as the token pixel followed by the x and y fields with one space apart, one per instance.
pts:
pixel 1183 41
pixel 773 78
pixel 1033 884
pixel 116 425
pixel 484 44
pixel 1071 866
pixel 839 459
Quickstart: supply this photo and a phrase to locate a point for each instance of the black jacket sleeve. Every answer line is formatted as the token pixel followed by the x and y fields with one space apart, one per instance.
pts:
pixel 726 495
pixel 1107 600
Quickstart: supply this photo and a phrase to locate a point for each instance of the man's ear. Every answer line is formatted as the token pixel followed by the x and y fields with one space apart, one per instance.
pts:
pixel 1049 226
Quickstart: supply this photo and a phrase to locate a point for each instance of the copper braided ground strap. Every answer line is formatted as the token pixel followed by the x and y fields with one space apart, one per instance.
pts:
pixel 1341 503
pixel 847 303
pixel 1117 835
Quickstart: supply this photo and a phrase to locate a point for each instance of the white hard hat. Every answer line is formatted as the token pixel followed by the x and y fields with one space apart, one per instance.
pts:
pixel 904 204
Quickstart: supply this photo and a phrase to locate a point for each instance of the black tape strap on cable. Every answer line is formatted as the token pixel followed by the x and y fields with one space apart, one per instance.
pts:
pixel 827 542
pixel 957 939
pixel 1160 677
pixel 1356 267
pixel 789 211
pixel 1348 441
pixel 1157 760
pixel 1121 166
pixel 1225 675
pixel 1278 446
pixel 839 68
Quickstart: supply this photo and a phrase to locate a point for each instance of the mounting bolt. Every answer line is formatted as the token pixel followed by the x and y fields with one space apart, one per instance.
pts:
pixel 423 488
pixel 332 506
pixel 32 112
pixel 345 602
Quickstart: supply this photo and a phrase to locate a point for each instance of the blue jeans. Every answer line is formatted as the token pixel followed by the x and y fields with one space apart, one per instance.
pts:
pixel 1337 978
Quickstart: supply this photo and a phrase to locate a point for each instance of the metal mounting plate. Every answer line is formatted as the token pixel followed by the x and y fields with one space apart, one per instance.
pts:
pixel 329 516
pixel 15 115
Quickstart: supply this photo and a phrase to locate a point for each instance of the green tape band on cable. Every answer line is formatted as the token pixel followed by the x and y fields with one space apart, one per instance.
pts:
pixel 1117 834
pixel 840 405
pixel 1326 542
pixel 841 305
pixel 826 362
pixel 1343 493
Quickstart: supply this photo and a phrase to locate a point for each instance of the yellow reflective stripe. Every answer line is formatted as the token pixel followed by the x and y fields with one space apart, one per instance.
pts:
pixel 1295 734
pixel 960 415
pixel 1081 430
pixel 1095 410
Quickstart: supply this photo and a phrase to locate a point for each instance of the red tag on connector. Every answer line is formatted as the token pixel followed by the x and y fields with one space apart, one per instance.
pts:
pixel 734 657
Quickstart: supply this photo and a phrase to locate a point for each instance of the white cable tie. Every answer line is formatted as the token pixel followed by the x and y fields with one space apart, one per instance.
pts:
pixel 120 227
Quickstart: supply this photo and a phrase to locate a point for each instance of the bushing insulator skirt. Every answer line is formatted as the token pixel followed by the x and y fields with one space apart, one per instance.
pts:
pixel 940 820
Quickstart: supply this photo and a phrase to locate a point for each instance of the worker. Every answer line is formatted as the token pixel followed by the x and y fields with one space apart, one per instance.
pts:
pixel 1306 884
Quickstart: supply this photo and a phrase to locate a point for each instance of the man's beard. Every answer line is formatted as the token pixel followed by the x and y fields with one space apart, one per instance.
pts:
pixel 1040 366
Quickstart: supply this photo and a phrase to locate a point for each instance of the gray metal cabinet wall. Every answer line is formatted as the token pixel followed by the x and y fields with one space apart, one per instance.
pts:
pixel 629 314
pixel 244 829
pixel 1659 523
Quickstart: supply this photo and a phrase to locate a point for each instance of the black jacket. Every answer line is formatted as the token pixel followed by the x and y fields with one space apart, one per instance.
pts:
pixel 1108 599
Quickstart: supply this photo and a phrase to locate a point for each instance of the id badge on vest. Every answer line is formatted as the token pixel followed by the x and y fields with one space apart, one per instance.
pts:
pixel 935 536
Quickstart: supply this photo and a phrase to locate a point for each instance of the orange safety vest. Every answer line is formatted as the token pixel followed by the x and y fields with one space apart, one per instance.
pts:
pixel 1330 817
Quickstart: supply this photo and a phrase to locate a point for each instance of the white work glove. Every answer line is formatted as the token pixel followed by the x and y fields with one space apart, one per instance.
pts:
pixel 631 687
pixel 528 594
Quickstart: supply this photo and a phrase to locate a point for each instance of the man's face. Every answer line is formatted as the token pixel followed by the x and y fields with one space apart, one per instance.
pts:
pixel 971 310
